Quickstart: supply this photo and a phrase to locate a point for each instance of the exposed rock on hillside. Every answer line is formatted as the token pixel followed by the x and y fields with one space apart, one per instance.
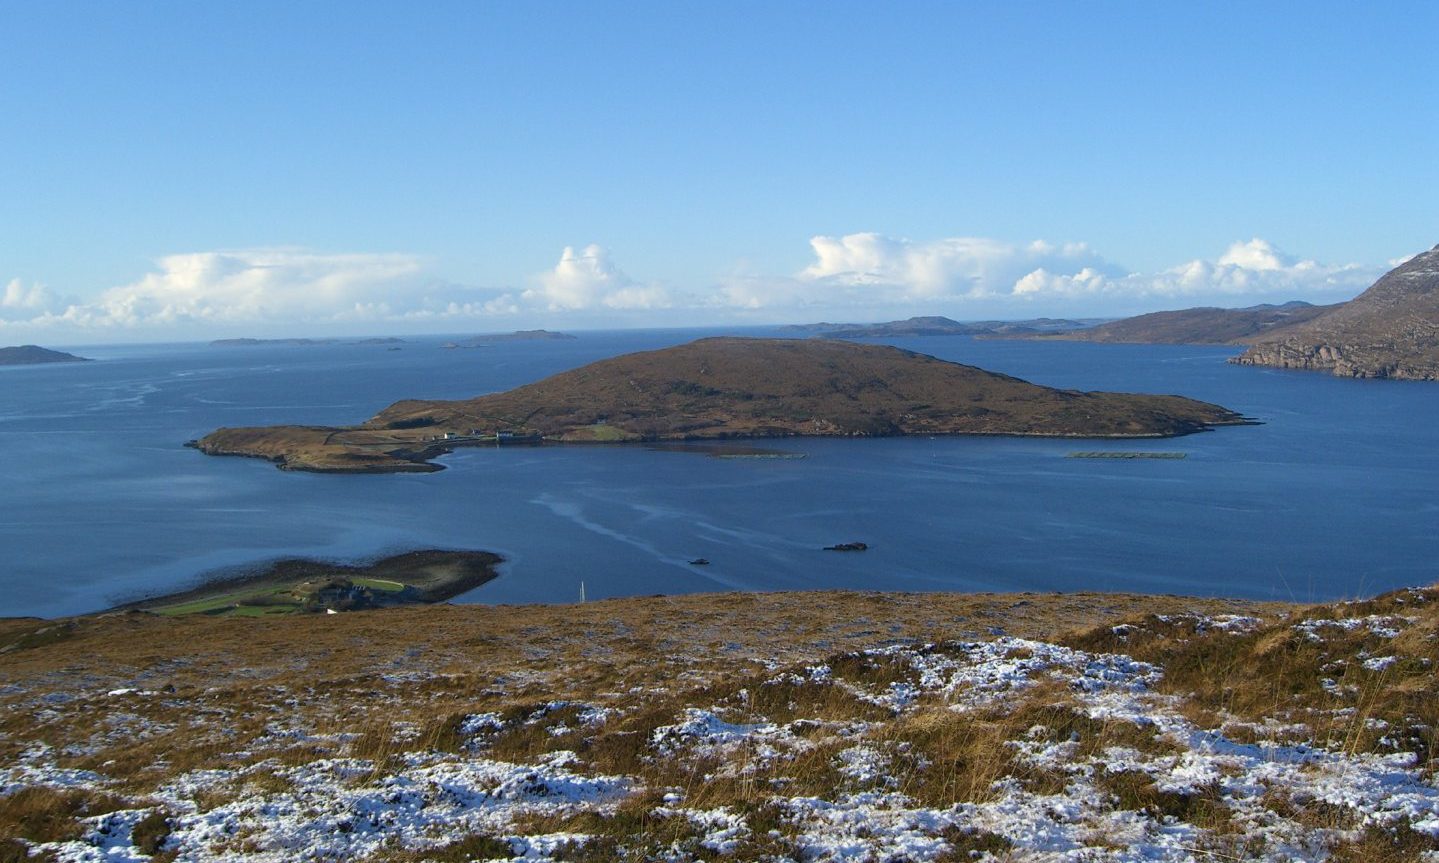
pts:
pixel 1389 331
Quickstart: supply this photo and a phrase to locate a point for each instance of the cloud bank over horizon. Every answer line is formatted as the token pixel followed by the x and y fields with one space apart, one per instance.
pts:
pixel 859 276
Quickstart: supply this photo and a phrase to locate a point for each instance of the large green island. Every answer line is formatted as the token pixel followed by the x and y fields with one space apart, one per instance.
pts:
pixel 726 388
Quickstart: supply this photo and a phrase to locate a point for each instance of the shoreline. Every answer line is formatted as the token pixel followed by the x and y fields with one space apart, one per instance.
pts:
pixel 291 585
pixel 401 460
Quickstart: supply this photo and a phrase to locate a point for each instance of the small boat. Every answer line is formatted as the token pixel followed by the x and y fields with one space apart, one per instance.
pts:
pixel 699 561
pixel 847 546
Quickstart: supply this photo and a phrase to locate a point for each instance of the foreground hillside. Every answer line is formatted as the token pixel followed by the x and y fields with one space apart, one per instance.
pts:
pixel 783 727
pixel 728 388
pixel 1389 331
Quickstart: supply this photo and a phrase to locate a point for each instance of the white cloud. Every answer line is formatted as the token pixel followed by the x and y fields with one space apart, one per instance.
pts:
pixel 1257 255
pixel 863 276
pixel 260 286
pixel 874 270
pixel 588 280
pixel 19 302
pixel 265 284
pixel 947 268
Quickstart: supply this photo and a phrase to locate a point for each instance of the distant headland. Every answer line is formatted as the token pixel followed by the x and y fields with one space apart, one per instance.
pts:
pixel 935 325
pixel 34 355
pixel 1198 326
pixel 1389 331
pixel 499 338
pixel 725 388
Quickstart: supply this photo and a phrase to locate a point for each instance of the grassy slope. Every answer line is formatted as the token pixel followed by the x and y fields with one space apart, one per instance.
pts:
pixel 759 387
pixel 1195 326
pixel 271 699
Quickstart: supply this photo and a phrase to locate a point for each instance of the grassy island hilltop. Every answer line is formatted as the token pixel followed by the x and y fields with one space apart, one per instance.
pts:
pixel 720 388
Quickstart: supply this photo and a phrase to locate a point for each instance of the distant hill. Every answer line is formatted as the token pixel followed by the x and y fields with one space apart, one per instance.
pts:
pixel 933 325
pixel 1389 331
pixel 729 388
pixel 246 343
pixel 1200 326
pixel 31 355
pixel 517 336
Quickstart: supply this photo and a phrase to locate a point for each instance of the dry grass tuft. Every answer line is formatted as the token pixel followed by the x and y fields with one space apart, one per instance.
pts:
pixel 1398 844
pixel 40 813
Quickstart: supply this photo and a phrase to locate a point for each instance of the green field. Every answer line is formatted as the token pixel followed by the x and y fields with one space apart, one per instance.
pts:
pixel 308 586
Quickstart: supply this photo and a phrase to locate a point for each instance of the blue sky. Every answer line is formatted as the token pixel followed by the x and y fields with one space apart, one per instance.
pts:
pixel 171 170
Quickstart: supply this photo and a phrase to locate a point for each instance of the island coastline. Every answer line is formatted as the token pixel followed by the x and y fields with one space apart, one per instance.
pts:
pixel 726 389
pixel 292 585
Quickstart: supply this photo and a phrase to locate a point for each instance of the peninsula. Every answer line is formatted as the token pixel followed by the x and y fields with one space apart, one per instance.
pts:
pixel 721 388
pixel 300 585
pixel 1199 326
pixel 33 355
pixel 1389 331
pixel 935 325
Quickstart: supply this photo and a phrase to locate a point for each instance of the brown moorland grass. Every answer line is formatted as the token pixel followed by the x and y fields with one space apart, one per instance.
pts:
pixel 598 680
pixel 221 693
pixel 1357 687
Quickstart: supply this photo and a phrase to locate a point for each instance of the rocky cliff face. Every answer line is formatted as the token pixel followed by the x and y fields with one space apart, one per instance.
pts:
pixel 1389 331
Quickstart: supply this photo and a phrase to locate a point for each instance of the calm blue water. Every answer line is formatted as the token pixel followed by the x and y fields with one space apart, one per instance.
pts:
pixel 1333 497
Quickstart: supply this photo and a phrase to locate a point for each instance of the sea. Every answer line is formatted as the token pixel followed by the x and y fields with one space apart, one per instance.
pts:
pixel 1331 496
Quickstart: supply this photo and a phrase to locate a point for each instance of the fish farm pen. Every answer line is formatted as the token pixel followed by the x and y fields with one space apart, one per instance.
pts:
pixel 1124 454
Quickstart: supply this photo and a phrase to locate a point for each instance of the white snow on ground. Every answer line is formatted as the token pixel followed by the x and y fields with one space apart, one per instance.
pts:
pixel 36 767
pixel 705 734
pixel 1382 625
pixel 341 809
pixel 333 812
